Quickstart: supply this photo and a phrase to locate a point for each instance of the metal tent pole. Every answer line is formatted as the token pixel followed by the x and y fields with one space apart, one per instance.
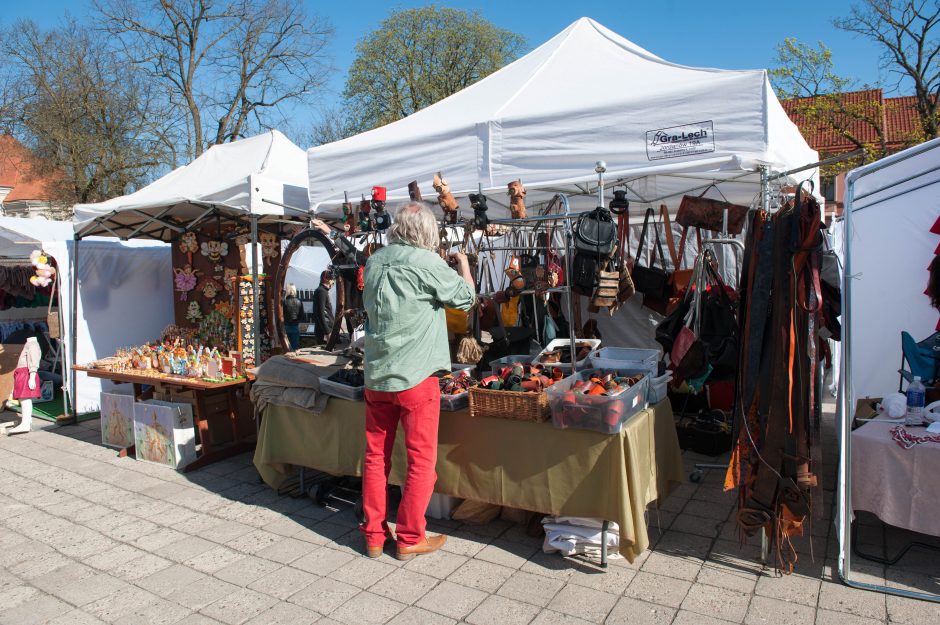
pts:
pixel 256 305
pixel 73 335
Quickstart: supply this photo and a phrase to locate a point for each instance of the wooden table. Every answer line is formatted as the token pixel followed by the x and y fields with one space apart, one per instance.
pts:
pixel 212 401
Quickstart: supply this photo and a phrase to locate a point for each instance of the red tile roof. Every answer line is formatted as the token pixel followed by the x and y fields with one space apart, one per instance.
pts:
pixel 14 172
pixel 899 120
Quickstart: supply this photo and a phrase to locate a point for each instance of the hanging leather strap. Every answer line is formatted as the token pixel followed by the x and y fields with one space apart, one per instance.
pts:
pixel 659 245
pixel 670 242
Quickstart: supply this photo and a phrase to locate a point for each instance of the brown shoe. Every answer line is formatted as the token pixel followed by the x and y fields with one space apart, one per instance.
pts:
pixel 429 544
pixel 376 551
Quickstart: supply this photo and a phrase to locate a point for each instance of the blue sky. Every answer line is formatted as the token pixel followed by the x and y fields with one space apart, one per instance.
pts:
pixel 722 34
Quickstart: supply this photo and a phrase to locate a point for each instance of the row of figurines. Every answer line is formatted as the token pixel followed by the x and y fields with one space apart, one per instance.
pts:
pixel 190 361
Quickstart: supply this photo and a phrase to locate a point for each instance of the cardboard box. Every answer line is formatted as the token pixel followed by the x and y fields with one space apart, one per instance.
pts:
pixel 117 420
pixel 163 433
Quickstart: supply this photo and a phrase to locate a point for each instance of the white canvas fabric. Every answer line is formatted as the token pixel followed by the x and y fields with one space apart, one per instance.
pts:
pixel 236 176
pixel 125 292
pixel 586 95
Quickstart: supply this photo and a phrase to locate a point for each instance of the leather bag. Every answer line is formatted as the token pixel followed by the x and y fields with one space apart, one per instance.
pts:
pixel 652 281
pixel 595 233
pixel 706 213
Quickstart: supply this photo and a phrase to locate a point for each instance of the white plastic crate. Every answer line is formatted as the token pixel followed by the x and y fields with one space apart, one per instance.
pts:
pixel 560 343
pixel 498 363
pixel 596 412
pixel 342 391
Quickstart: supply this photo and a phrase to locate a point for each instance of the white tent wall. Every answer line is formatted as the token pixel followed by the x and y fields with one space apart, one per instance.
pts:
pixel 587 94
pixel 890 206
pixel 125 292
pixel 125 299
pixel 890 247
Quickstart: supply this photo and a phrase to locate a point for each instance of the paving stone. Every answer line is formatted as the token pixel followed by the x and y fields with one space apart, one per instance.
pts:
pixel 183 550
pixel 506 554
pixel 285 614
pixel 482 575
pixel 841 598
pixel 322 561
pixel 709 509
pixel 464 543
pixel 768 611
pixel 367 609
pixel 161 537
pixel 214 559
pixel 630 611
pixel 113 558
pixel 201 593
pixel 120 604
pixel 586 603
pixel 169 580
pixel 76 617
pixel 535 589
pixel 157 613
pixel 39 565
pixel 665 591
pixel 912 611
pixel 283 582
pixel 548 565
pixel 246 570
pixel 15 595
pixel 416 616
pixel 722 604
pixel 404 585
pixel 239 606
pixel 684 617
pixel 438 564
pixel 793 588
pixel 286 550
pixel 38 609
pixel 671 565
pixel 362 572
pixel 699 526
pixel 550 617
pixel 727 577
pixel 613 579
pixel 496 610
pixel 324 595
pixel 828 617
pixel 141 567
pixel 452 600
pixel 253 542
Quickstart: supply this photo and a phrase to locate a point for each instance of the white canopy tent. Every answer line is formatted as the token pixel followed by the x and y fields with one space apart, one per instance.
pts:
pixel 257 176
pixel 890 207
pixel 124 295
pixel 586 95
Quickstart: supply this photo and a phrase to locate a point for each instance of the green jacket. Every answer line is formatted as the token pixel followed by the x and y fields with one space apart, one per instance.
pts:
pixel 406 289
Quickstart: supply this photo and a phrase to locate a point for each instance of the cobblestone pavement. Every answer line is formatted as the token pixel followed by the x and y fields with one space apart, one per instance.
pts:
pixel 88 537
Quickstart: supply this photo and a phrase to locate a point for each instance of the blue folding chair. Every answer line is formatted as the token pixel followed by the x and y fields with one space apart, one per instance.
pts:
pixel 920 358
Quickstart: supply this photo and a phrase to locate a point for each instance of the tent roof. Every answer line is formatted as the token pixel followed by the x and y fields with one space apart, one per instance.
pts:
pixel 19 236
pixel 232 177
pixel 586 95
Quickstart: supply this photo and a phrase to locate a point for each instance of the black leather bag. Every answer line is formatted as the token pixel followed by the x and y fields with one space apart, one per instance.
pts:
pixel 584 269
pixel 652 281
pixel 596 233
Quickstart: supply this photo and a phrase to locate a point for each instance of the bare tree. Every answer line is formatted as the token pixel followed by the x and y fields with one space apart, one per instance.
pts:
pixel 906 31
pixel 94 127
pixel 232 65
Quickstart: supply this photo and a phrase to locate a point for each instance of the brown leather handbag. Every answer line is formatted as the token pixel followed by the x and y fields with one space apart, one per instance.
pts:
pixel 706 213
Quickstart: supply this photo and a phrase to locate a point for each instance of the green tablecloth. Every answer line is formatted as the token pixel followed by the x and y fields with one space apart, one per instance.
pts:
pixel 531 466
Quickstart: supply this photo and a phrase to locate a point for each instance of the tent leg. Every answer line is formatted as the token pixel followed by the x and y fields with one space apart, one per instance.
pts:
pixel 72 400
pixel 256 305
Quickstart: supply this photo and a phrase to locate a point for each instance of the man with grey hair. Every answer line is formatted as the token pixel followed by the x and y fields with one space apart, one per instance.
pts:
pixel 407 286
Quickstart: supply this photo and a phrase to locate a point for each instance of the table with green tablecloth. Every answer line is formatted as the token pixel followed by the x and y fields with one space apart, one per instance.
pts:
pixel 520 464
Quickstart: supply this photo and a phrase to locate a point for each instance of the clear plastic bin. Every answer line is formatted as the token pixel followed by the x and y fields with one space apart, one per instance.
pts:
pixel 343 391
pixel 596 412
pixel 623 357
pixel 453 403
pixel 498 363
pixel 559 343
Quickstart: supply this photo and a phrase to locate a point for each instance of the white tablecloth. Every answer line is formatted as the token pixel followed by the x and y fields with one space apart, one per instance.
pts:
pixel 900 486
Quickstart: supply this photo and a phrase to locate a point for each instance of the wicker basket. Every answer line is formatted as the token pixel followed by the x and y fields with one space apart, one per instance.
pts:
pixel 509 405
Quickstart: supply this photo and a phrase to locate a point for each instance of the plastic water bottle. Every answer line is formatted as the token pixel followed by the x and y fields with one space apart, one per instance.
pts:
pixel 915 402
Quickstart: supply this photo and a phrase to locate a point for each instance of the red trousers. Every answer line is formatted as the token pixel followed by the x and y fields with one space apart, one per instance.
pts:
pixel 418 410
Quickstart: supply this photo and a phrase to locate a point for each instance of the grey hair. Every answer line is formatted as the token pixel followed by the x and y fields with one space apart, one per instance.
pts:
pixel 291 290
pixel 415 225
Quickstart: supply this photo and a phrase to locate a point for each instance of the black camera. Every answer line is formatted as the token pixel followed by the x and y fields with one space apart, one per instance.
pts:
pixel 619 204
pixel 478 204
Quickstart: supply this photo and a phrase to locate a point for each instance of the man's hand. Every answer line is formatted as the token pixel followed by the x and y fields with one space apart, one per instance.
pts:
pixel 463 267
pixel 321 226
